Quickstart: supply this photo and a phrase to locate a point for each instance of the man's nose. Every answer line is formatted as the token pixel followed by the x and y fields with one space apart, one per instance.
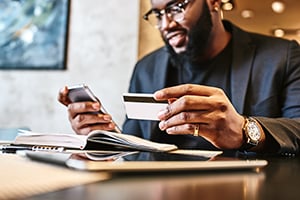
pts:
pixel 165 21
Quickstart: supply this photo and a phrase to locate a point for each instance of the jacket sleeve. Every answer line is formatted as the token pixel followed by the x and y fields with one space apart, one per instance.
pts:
pixel 286 135
pixel 285 130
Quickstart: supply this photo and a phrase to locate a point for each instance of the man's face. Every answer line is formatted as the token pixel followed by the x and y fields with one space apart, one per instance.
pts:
pixel 190 35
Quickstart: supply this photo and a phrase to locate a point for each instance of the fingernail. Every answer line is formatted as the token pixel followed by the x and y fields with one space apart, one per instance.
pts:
pixel 111 125
pixel 162 125
pixel 162 113
pixel 158 94
pixel 95 106
pixel 107 118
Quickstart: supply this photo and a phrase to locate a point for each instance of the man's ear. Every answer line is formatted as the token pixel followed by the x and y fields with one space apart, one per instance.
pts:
pixel 214 4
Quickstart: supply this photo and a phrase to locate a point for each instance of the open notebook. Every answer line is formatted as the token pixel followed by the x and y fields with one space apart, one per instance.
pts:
pixel 95 140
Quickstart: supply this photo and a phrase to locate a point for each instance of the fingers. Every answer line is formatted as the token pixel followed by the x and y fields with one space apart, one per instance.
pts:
pixel 63 96
pixel 201 111
pixel 189 118
pixel 196 130
pixel 85 122
pixel 223 130
pixel 186 89
pixel 186 105
pixel 184 129
pixel 83 107
pixel 86 116
pixel 84 130
pixel 190 97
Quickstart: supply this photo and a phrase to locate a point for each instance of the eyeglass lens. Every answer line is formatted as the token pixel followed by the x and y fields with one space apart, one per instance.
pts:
pixel 174 12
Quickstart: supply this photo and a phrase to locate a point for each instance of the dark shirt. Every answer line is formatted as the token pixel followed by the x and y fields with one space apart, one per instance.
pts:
pixel 215 72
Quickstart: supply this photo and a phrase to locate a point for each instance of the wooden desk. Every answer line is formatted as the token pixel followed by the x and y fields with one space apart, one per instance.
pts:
pixel 279 180
pixel 21 177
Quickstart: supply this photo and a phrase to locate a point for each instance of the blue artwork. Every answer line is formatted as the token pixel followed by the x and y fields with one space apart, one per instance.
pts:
pixel 33 34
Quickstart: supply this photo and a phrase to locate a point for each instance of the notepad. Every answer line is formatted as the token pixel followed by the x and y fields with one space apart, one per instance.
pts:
pixel 96 140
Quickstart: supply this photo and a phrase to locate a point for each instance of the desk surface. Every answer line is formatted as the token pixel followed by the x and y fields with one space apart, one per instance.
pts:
pixel 279 180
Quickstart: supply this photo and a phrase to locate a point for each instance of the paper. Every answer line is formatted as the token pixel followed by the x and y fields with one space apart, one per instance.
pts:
pixel 96 140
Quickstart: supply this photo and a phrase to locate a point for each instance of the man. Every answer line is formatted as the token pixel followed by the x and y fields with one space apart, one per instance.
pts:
pixel 227 88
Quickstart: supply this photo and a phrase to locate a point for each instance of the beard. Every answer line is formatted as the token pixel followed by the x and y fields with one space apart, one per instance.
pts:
pixel 198 39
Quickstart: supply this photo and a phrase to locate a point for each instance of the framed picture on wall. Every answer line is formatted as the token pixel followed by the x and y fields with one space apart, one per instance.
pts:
pixel 34 34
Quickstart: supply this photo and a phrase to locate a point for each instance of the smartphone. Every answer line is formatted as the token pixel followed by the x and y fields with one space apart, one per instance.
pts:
pixel 82 93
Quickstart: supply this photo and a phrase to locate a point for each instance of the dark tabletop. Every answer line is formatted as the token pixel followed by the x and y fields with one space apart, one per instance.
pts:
pixel 280 179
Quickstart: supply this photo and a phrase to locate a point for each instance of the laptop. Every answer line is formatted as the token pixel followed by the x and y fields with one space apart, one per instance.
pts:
pixel 147 161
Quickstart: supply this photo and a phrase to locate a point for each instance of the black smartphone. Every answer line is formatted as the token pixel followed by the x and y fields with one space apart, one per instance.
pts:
pixel 82 93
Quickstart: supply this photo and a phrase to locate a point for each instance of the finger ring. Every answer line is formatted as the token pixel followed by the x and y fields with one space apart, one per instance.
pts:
pixel 196 130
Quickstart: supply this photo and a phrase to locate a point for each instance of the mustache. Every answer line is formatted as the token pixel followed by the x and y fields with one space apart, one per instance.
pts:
pixel 168 34
pixel 198 36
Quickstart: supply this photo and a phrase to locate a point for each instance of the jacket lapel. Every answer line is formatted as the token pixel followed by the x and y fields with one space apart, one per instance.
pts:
pixel 161 69
pixel 160 74
pixel 243 55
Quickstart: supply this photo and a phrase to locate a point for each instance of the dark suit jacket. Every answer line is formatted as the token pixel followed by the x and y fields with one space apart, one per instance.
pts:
pixel 265 84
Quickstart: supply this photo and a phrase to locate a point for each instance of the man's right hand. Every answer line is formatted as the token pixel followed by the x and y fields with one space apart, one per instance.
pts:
pixel 85 116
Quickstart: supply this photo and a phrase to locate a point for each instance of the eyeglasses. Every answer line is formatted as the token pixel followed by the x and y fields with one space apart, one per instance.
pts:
pixel 173 11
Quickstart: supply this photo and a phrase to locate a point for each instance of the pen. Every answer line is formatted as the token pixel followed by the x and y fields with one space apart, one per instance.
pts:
pixel 14 148
pixel 9 147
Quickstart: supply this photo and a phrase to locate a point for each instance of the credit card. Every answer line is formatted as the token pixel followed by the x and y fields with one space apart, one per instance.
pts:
pixel 142 106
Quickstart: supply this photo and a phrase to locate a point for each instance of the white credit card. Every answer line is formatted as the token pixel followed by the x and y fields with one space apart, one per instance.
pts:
pixel 142 106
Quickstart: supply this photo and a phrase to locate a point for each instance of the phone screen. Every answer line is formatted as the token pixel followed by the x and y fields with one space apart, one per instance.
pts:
pixel 80 93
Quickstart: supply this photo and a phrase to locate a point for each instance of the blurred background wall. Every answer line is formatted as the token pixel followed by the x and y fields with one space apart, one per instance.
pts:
pixel 102 51
pixel 106 38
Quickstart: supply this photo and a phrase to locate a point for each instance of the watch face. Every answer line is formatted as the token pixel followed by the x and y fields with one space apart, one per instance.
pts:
pixel 253 131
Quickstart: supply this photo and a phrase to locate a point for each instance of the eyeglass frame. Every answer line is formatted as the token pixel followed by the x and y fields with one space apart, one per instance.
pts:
pixel 159 13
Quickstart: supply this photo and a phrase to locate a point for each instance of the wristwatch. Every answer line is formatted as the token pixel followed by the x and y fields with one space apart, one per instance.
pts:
pixel 252 133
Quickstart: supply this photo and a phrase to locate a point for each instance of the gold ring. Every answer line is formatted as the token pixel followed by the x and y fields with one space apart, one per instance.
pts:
pixel 196 130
